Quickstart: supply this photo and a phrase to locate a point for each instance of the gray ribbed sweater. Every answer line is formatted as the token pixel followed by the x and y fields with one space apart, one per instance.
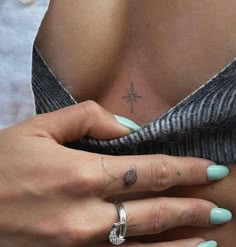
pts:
pixel 201 125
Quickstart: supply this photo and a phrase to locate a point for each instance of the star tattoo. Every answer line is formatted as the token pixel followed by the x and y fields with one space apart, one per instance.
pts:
pixel 131 97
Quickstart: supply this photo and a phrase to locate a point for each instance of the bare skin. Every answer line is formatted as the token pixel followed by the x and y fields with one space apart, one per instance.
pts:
pixel 165 48
pixel 53 196
pixel 130 55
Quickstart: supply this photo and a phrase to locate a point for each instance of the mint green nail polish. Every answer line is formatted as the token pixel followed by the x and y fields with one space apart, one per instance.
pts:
pixel 208 244
pixel 127 122
pixel 220 216
pixel 217 172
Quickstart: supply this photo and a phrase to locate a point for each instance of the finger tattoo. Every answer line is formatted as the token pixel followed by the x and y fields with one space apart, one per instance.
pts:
pixel 130 176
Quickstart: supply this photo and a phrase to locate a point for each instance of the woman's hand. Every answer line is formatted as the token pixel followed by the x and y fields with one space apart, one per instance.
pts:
pixel 51 195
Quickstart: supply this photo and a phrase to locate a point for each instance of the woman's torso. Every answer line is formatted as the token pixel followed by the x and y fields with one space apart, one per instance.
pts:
pixel 165 49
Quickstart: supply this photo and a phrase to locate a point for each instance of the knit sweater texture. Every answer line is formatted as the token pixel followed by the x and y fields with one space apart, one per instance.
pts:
pixel 202 125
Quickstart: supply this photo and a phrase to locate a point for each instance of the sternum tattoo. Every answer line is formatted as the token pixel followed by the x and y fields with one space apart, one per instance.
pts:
pixel 131 97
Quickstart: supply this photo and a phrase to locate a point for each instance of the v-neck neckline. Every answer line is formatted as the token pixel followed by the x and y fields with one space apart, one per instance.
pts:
pixel 180 104
pixel 188 98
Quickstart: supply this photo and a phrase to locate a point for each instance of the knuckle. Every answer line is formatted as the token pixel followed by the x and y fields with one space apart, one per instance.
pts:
pixel 77 184
pixel 78 234
pixel 161 173
pixel 193 216
pixel 88 179
pixel 159 218
pixel 63 230
pixel 73 235
pixel 71 227
pixel 89 106
pixel 84 178
pixel 84 182
pixel 197 216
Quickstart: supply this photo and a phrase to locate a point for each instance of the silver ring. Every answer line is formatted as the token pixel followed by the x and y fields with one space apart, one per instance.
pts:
pixel 118 231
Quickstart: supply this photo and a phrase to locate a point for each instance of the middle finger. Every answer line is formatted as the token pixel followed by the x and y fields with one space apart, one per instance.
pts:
pixel 137 173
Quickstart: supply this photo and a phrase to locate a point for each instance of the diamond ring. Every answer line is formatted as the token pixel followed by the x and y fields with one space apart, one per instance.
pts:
pixel 118 231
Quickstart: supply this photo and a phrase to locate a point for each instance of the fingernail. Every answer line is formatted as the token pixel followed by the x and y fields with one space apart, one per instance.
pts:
pixel 208 244
pixel 220 216
pixel 217 172
pixel 127 122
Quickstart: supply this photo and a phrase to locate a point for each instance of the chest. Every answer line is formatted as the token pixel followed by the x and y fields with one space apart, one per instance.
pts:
pixel 137 58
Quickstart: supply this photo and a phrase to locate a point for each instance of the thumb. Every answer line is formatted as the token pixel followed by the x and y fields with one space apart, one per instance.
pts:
pixel 74 122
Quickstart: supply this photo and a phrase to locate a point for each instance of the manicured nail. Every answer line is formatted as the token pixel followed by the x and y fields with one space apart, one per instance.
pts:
pixel 208 244
pixel 127 122
pixel 220 216
pixel 217 172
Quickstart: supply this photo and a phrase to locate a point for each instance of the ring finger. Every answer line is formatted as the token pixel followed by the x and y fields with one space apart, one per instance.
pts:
pixel 155 215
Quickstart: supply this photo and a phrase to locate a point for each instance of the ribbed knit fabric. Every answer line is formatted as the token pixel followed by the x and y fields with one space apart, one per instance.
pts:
pixel 201 125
